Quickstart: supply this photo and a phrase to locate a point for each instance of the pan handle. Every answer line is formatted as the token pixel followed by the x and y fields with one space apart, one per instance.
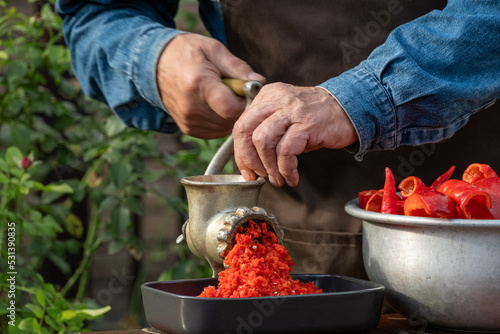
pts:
pixel 249 89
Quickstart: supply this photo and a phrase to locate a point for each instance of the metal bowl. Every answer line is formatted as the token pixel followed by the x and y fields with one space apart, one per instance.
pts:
pixel 437 272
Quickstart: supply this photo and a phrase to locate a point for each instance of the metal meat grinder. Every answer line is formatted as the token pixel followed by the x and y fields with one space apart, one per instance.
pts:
pixel 219 204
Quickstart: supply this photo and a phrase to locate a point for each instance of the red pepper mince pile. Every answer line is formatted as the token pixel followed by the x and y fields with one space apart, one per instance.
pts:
pixel 475 196
pixel 258 266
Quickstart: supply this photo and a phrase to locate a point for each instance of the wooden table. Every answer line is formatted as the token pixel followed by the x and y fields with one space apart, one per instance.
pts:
pixel 389 324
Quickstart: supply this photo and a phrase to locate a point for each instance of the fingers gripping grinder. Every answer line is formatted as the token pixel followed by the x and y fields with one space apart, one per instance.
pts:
pixel 220 204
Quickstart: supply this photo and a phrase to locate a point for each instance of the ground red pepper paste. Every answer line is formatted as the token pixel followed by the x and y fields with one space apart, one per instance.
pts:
pixel 258 266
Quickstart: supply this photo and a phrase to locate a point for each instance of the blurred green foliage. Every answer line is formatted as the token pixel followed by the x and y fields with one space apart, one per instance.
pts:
pixel 82 156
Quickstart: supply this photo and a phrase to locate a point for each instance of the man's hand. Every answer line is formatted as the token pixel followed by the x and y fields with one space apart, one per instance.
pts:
pixel 189 78
pixel 282 122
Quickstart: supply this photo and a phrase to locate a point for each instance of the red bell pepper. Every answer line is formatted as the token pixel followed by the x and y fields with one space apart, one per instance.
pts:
pixel 473 202
pixel 364 196
pixel 389 197
pixel 401 206
pixel 430 204
pixel 375 202
pixel 476 172
pixel 491 185
pixel 411 185
pixel 442 178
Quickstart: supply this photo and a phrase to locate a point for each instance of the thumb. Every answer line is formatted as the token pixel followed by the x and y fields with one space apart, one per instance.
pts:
pixel 231 66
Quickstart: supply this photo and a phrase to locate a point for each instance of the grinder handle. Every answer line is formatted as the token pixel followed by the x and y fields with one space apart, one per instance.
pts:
pixel 236 85
pixel 249 89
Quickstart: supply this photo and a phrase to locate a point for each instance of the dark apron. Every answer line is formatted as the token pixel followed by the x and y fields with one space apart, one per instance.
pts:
pixel 305 43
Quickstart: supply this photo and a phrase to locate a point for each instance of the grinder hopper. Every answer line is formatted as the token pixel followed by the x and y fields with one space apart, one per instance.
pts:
pixel 219 204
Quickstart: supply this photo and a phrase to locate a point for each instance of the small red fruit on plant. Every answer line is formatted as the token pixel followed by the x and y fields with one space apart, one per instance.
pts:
pixel 26 162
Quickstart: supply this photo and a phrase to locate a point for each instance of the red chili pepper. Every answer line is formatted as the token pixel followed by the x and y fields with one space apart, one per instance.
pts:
pixel 474 203
pixel 430 204
pixel 442 178
pixel 375 202
pixel 491 185
pixel 364 196
pixel 411 185
pixel 476 172
pixel 389 197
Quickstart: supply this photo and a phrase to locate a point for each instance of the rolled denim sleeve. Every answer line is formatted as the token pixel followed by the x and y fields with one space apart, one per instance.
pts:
pixel 115 47
pixel 426 80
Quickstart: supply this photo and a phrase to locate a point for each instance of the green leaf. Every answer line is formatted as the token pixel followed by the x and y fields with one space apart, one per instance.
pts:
pixel 50 321
pixel 52 223
pixel 120 173
pixel 13 156
pixel 135 205
pixel 16 171
pixel 50 17
pixel 68 315
pixel 3 165
pixel 95 312
pixel 50 290
pixel 120 219
pixel 38 247
pixel 74 226
pixel 73 246
pixel 48 144
pixel 58 188
pixel 37 186
pixel 40 297
pixel 29 324
pixel 114 126
pixel 35 215
pixel 47 228
pixel 61 263
pixel 20 136
pixel 108 202
pixel 100 150
pixel 15 329
pixel 23 190
pixel 152 175
pixel 3 178
pixel 115 246
pixel 165 276
pixel 35 309
pixel 50 197
pixel 16 71
pixel 54 312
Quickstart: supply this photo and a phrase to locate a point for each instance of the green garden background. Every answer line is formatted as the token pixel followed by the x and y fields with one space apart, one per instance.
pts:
pixel 89 209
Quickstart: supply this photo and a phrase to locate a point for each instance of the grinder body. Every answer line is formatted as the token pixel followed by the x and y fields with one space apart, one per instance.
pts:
pixel 218 206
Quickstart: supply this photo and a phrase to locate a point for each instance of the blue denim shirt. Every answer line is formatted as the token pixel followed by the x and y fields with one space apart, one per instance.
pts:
pixel 420 86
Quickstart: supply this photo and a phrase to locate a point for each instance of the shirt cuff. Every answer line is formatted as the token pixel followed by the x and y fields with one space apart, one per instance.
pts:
pixel 368 105
pixel 146 55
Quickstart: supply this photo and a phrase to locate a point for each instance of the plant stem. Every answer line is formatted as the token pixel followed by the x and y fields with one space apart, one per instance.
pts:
pixel 89 247
pixel 82 285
